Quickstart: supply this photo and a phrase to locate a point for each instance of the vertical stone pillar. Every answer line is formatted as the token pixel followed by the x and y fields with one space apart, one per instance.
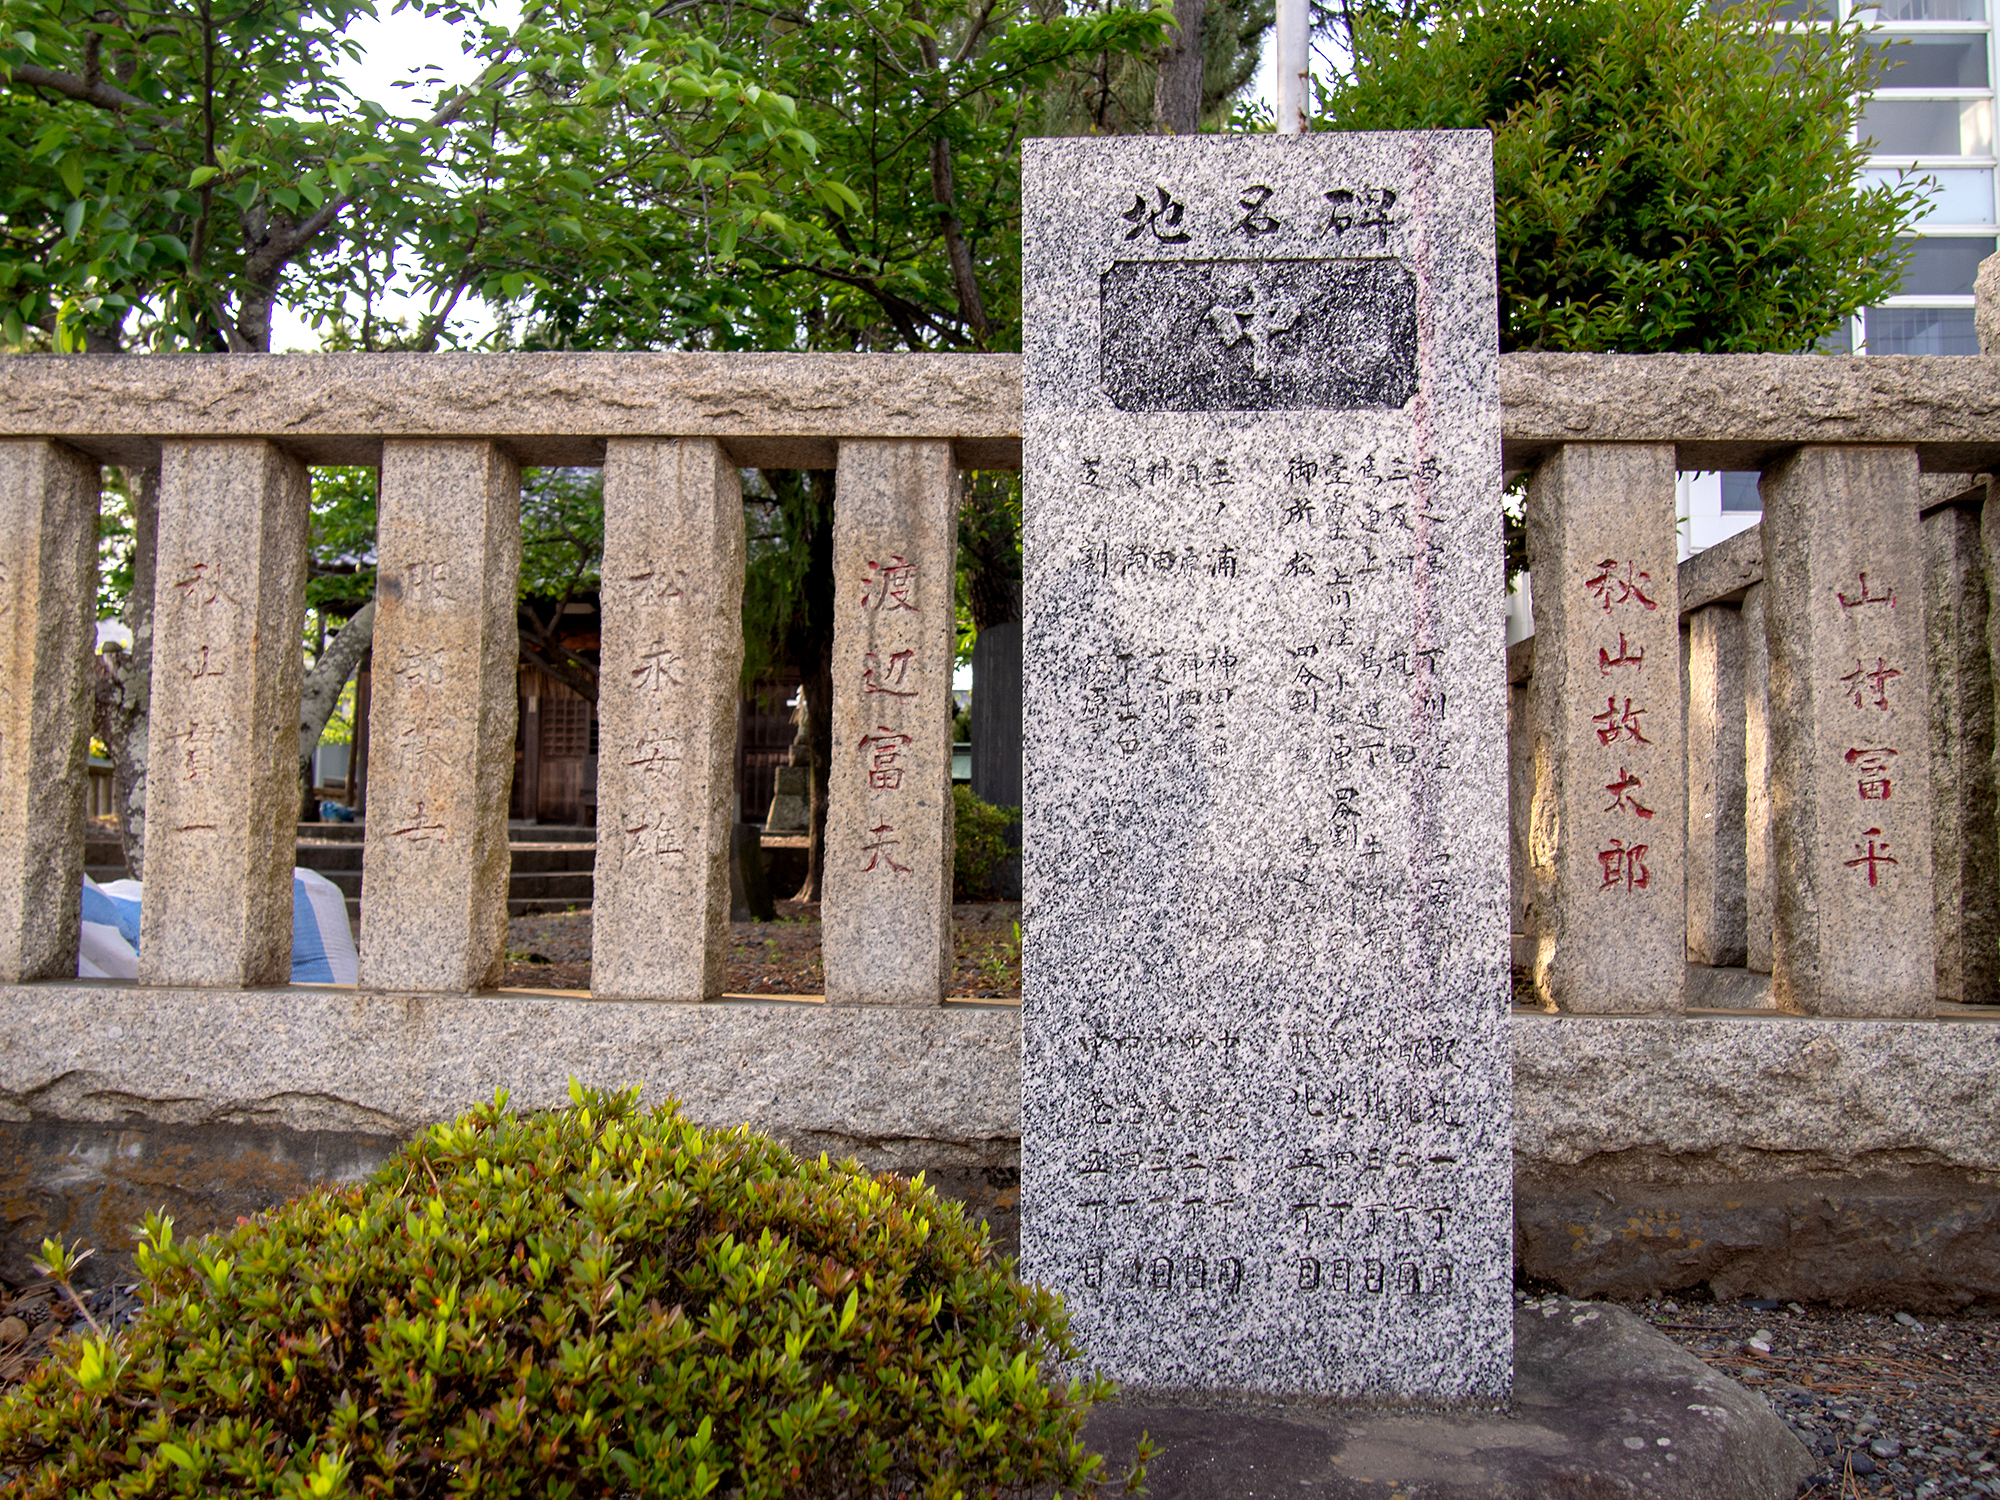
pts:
pixel 1520 798
pixel 886 918
pixel 672 651
pixel 1609 822
pixel 1716 917
pixel 48 609
pixel 1757 856
pixel 1849 741
pixel 1965 850
pixel 434 878
pixel 222 759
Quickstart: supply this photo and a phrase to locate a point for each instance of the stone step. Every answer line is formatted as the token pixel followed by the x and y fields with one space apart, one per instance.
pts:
pixel 517 833
pixel 569 888
pixel 528 859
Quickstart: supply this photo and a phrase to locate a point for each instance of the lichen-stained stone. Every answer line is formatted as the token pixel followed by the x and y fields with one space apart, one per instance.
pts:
pixel 48 608
pixel 1757 852
pixel 1265 1080
pixel 222 757
pixel 886 914
pixel 666 772
pixel 441 751
pixel 1849 734
pixel 1715 723
pixel 1608 829
pixel 1965 853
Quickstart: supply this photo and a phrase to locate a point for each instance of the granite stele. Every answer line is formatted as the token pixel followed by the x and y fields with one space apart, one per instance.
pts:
pixel 1266 1119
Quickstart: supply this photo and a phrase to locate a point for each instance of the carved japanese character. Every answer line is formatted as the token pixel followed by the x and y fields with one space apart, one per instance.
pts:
pixel 885 751
pixel 888 680
pixel 1615 723
pixel 1626 657
pixel 1874 854
pixel 420 827
pixel 660 667
pixel 1258 322
pixel 1864 595
pixel 1622 799
pixel 655 753
pixel 199 747
pixel 1610 588
pixel 200 587
pixel 890 585
pixel 1162 218
pixel 1624 865
pixel 878 850
pixel 1871 683
pixel 1257 220
pixel 1872 767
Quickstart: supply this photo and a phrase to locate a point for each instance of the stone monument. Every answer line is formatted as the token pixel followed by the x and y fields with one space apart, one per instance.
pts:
pixel 1266 1135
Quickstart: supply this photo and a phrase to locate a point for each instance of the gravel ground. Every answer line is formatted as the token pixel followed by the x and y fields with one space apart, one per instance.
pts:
pixel 774 958
pixel 1891 1405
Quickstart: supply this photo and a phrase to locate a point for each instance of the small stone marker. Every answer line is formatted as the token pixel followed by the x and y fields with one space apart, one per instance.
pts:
pixel 48 609
pixel 666 780
pixel 222 753
pixel 1849 742
pixel 1266 1131
pixel 886 917
pixel 447 650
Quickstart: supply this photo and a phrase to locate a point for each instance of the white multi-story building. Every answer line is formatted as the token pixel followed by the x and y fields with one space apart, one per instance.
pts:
pixel 1931 116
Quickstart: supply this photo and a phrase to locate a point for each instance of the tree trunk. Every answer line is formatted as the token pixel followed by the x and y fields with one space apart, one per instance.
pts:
pixel 122 711
pixel 322 694
pixel 811 646
pixel 1177 89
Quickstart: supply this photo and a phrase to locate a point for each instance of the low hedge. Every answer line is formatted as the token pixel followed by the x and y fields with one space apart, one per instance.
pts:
pixel 596 1301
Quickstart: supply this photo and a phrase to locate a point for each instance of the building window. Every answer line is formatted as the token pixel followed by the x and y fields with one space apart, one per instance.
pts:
pixel 565 727
pixel 1921 330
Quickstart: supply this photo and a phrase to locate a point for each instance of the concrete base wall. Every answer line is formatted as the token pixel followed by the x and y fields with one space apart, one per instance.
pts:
pixel 1754 1154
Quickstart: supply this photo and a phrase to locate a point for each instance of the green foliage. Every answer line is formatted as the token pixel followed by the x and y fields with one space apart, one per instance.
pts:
pixel 979 843
pixel 114 544
pixel 173 166
pixel 562 532
pixel 597 1301
pixel 909 234
pixel 340 573
pixel 1669 176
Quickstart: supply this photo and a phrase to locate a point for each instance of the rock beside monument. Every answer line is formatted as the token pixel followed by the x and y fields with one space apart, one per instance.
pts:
pixel 1603 1406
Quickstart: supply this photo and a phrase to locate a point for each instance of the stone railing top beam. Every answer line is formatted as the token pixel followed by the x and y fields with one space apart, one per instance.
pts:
pixel 1724 573
pixel 781 410
pixel 1721 411
pixel 1741 411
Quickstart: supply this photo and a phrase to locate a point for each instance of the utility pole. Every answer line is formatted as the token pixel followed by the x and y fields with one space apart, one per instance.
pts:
pixel 1294 66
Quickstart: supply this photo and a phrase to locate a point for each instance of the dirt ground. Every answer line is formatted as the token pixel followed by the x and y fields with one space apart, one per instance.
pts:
pixel 775 958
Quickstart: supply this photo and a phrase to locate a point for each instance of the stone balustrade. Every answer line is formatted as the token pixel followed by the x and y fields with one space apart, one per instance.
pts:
pixel 1732 730
pixel 1780 768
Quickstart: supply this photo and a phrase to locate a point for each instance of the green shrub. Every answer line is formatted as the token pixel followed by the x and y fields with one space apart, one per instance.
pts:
pixel 598 1301
pixel 979 843
pixel 1669 174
